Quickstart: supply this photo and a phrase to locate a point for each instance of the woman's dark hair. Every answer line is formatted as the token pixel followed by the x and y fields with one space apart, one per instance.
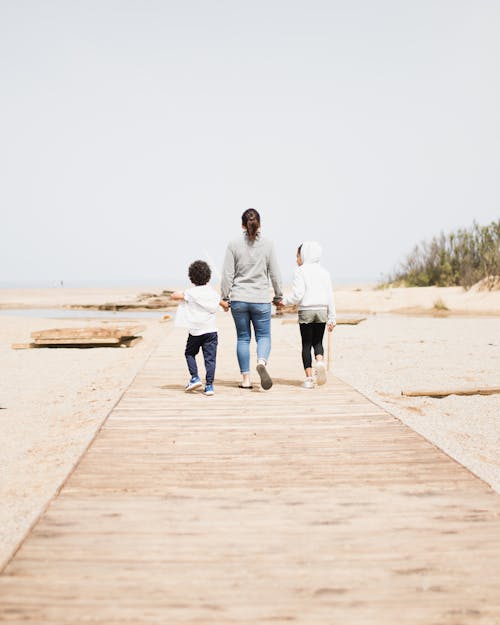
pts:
pixel 299 249
pixel 251 220
pixel 199 272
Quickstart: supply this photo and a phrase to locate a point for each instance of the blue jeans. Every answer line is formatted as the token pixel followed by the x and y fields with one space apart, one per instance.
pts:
pixel 258 315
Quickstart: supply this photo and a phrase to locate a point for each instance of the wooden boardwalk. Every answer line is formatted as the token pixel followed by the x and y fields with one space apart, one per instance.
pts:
pixel 287 506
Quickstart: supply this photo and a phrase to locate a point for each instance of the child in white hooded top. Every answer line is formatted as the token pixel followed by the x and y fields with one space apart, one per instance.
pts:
pixel 312 291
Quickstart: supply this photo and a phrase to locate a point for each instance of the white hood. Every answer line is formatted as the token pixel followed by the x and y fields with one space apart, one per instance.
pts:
pixel 312 285
pixel 310 252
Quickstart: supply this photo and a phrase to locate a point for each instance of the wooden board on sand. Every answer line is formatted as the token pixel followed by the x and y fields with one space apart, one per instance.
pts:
pixel 486 390
pixel 88 333
pixel 101 336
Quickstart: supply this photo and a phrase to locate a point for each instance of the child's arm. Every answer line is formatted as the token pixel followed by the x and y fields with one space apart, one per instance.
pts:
pixel 298 290
pixel 178 295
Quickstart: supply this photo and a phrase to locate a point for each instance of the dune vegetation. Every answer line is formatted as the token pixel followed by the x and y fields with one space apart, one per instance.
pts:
pixel 461 258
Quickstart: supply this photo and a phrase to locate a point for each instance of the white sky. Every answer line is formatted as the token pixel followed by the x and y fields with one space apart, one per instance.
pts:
pixel 134 133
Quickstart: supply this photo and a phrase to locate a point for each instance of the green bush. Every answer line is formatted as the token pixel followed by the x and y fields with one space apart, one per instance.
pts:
pixel 461 258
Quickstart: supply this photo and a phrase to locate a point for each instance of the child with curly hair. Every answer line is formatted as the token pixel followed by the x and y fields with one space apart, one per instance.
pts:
pixel 197 313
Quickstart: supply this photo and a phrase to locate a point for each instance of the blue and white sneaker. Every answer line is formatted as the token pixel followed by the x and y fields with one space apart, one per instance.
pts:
pixel 209 389
pixel 193 383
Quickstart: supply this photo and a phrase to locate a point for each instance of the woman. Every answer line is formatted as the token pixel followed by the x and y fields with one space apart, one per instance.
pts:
pixel 249 265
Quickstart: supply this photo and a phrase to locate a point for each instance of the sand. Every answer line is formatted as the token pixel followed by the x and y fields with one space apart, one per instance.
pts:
pixel 388 353
pixel 53 402
pixel 418 300
pixel 60 297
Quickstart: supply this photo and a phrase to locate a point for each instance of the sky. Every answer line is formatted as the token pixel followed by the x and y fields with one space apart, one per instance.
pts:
pixel 134 133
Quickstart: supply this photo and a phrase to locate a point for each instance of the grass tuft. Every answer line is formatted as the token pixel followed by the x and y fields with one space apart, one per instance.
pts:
pixel 440 305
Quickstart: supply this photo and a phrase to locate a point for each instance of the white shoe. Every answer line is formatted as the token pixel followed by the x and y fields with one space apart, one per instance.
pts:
pixel 193 384
pixel 308 383
pixel 265 379
pixel 320 372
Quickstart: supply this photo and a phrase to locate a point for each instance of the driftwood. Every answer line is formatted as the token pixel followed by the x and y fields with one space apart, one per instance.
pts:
pixel 491 390
pixel 143 302
pixel 102 336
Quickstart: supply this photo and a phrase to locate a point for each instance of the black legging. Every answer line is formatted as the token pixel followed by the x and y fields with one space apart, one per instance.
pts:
pixel 312 338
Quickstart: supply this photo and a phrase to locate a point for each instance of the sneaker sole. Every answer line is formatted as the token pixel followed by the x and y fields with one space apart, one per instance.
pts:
pixel 265 379
pixel 209 394
pixel 192 388
pixel 320 376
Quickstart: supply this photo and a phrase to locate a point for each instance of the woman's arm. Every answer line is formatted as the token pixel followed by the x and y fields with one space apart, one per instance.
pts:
pixel 275 275
pixel 228 270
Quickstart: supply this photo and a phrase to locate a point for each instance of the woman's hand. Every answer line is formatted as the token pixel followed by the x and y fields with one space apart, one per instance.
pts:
pixel 330 326
pixel 225 305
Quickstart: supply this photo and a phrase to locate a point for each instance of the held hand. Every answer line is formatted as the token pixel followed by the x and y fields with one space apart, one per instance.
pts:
pixel 225 305
pixel 330 326
pixel 178 295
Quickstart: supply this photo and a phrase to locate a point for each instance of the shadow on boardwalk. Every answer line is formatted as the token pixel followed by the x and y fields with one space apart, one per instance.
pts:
pixel 232 384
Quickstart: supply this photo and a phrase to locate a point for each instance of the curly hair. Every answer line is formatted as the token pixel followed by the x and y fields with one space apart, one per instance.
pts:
pixel 199 272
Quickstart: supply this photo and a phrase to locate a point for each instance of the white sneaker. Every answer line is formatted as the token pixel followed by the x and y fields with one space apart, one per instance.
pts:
pixel 265 379
pixel 209 390
pixel 193 384
pixel 308 383
pixel 320 372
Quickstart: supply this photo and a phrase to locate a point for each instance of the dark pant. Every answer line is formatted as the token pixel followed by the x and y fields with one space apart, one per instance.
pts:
pixel 208 344
pixel 312 338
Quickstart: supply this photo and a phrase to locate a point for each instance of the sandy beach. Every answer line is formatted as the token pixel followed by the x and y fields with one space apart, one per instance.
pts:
pixel 53 401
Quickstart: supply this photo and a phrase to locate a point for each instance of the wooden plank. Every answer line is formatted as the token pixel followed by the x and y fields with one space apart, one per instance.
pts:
pixel 130 341
pixel 79 340
pixel 352 321
pixel 485 390
pixel 95 332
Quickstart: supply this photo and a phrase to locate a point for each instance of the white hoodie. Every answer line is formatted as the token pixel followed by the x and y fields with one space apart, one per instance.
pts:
pixel 198 311
pixel 312 285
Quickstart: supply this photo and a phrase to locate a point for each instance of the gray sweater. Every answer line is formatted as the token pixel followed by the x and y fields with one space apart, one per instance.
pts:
pixel 249 267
